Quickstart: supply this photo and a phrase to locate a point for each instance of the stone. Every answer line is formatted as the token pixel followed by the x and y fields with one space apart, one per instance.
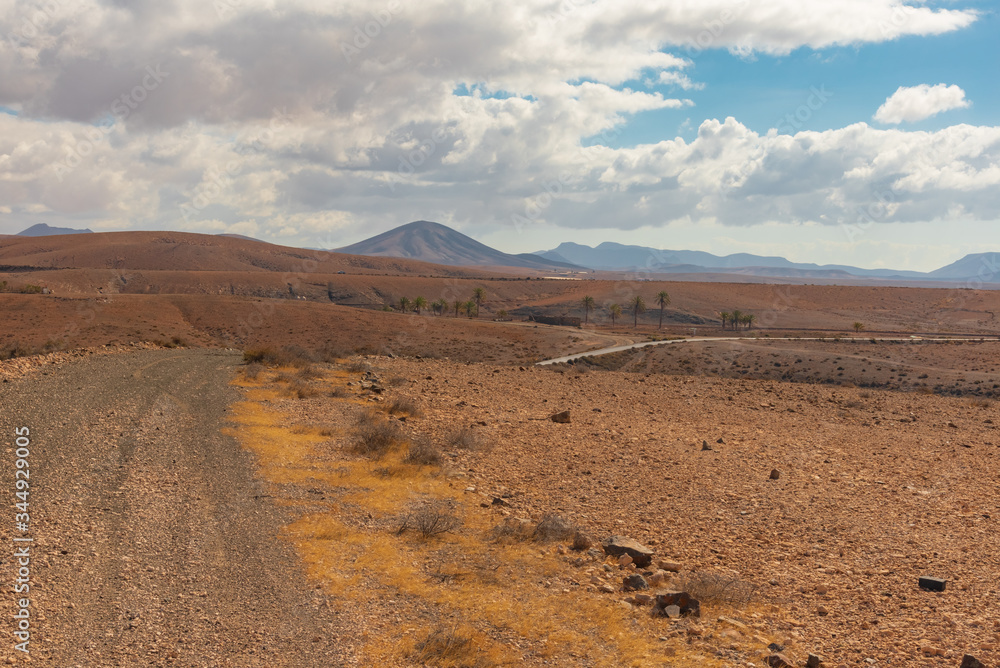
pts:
pixel 672 611
pixel 642 599
pixel 607 589
pixel 779 661
pixel 721 441
pixel 775 474
pixel 582 541
pixel 625 560
pixel 635 583
pixel 932 584
pixel 616 546
pixel 705 446
pixel 969 661
pixel 670 566
pixel 814 661
pixel 561 418
pixel 682 599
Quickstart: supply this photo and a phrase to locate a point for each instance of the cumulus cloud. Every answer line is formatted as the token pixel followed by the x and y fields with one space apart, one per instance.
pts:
pixel 300 119
pixel 919 102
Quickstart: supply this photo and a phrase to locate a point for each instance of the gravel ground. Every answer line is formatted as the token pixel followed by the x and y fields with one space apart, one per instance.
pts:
pixel 154 544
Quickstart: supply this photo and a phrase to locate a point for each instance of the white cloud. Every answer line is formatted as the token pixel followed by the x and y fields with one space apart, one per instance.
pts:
pixel 289 121
pixel 919 102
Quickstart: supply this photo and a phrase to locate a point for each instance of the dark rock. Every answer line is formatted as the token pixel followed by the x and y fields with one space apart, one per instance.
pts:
pixel 779 661
pixel 813 661
pixel 705 446
pixel 932 584
pixel 775 474
pixel 721 441
pixel 561 418
pixel 616 546
pixel 775 647
pixel 969 661
pixel 683 600
pixel 635 583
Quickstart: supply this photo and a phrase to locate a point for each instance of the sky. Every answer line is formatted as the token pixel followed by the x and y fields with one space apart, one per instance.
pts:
pixel 861 132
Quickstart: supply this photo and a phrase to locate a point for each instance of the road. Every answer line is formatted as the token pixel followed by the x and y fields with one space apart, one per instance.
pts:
pixel 154 543
pixel 708 339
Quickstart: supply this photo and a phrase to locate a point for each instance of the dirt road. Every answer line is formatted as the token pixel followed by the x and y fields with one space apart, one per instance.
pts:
pixel 154 544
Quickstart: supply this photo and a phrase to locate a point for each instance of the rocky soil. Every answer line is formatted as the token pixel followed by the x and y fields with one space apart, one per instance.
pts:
pixel 831 501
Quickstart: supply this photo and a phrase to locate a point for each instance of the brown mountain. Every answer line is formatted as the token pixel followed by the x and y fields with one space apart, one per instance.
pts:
pixel 183 251
pixel 433 242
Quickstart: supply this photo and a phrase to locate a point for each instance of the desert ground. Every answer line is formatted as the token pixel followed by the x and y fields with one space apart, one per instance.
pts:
pixel 392 483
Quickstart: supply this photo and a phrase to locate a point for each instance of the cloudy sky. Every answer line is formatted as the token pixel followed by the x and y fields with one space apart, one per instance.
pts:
pixel 861 132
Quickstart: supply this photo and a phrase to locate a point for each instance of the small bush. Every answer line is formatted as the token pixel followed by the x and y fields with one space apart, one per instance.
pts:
pixel 358 366
pixel 253 370
pixel 303 390
pixel 430 521
pixel 30 289
pixel 511 530
pixel 340 392
pixel 718 588
pixel 404 406
pixel 449 647
pixel 265 355
pixel 374 436
pixel 15 349
pixel 423 453
pixel 465 439
pixel 308 372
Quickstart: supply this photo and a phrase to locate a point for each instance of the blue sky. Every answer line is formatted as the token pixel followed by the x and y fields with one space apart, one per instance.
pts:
pixel 522 124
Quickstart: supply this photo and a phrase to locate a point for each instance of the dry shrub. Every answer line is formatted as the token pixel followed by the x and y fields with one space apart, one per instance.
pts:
pixel 404 406
pixel 340 392
pixel 295 356
pixel 430 520
pixel 717 588
pixel 980 403
pixel 374 436
pixel 358 366
pixel 449 647
pixel 396 381
pixel 308 372
pixel 465 439
pixel 304 390
pixel 253 370
pixel 423 453
pixel 16 349
pixel 551 528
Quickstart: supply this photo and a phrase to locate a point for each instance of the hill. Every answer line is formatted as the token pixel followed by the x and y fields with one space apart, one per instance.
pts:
pixel 433 242
pixel 184 251
pixel 43 230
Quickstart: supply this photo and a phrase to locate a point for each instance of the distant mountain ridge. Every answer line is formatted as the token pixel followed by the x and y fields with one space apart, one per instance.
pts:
pixel 433 242
pixel 611 256
pixel 43 230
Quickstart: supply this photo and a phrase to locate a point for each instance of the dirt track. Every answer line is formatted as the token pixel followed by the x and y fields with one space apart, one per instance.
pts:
pixel 154 543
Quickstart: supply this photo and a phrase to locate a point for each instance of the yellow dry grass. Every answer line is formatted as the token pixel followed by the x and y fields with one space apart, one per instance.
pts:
pixel 498 591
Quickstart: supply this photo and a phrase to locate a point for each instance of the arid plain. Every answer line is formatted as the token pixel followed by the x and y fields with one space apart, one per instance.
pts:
pixel 816 479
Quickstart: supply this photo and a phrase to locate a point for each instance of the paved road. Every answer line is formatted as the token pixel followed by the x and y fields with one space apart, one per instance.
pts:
pixel 707 339
pixel 155 544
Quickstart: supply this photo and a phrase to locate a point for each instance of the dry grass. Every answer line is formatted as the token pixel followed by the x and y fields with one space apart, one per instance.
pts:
pixel 552 528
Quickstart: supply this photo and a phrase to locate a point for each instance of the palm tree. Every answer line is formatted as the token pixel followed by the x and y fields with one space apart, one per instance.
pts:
pixel 588 306
pixel 419 303
pixel 479 295
pixel 616 312
pixel 663 300
pixel 404 304
pixel 748 319
pixel 638 305
pixel 470 307
pixel 859 327
pixel 725 315
pixel 736 317
pixel 459 304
